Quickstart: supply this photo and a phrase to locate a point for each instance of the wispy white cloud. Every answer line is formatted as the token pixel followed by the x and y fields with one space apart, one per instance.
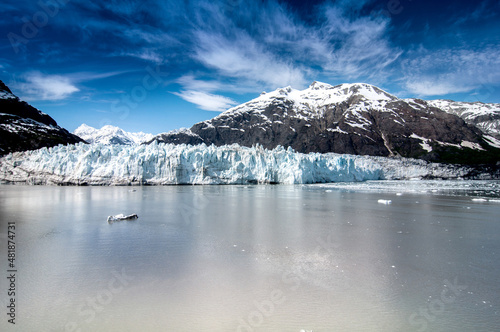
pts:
pixel 38 86
pixel 431 87
pixel 213 84
pixel 362 46
pixel 152 37
pixel 242 57
pixel 190 82
pixel 446 71
pixel 207 101
pixel 90 76
pixel 270 45
pixel 146 55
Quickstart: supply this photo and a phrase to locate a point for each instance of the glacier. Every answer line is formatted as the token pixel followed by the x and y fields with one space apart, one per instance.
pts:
pixel 169 164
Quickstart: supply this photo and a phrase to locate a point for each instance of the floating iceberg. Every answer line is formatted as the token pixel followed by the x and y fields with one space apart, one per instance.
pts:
pixel 384 201
pixel 165 164
pixel 121 216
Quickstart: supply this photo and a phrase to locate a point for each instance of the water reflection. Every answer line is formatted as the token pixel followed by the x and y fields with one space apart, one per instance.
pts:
pixel 249 258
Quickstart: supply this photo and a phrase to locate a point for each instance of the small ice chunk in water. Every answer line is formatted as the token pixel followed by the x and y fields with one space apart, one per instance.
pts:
pixel 384 201
pixel 121 216
pixel 479 200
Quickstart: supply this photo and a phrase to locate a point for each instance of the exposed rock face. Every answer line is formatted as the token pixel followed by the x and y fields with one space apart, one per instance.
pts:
pixel 182 136
pixel 23 127
pixel 349 118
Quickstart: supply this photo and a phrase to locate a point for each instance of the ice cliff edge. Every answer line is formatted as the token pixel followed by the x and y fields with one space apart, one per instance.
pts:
pixel 164 164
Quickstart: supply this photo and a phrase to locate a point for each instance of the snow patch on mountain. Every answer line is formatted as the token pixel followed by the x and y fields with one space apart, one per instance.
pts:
pixel 110 135
pixel 425 142
pixel 465 109
pixel 485 116
pixel 492 141
pixel 19 125
pixel 471 145
pixel 183 130
pixel 162 164
pixel 6 95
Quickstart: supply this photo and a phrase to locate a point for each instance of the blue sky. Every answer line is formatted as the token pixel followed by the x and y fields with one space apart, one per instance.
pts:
pixel 153 66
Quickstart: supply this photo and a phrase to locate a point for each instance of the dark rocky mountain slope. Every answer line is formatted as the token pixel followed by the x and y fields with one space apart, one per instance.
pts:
pixel 23 127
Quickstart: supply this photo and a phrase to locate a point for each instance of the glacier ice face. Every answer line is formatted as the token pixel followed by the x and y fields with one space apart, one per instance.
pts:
pixel 164 164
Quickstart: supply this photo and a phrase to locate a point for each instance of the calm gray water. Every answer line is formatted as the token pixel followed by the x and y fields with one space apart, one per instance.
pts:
pixel 255 258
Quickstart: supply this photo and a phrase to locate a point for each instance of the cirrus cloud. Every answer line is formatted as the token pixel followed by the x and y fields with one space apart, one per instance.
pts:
pixel 38 86
pixel 244 58
pixel 452 70
pixel 207 101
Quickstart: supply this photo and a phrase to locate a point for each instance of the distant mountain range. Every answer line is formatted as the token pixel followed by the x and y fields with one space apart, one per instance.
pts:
pixel 484 116
pixel 110 135
pixel 358 119
pixel 23 127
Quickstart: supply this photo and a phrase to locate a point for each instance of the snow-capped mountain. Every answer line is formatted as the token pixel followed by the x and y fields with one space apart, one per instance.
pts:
pixel 484 116
pixel 358 119
pixel 23 127
pixel 99 164
pixel 110 135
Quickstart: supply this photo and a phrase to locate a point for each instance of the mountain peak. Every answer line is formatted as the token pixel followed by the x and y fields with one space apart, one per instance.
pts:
pixel 285 91
pixel 84 126
pixel 109 134
pixel 324 92
pixel 112 129
pixel 4 87
pixel 316 85
pixel 366 90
